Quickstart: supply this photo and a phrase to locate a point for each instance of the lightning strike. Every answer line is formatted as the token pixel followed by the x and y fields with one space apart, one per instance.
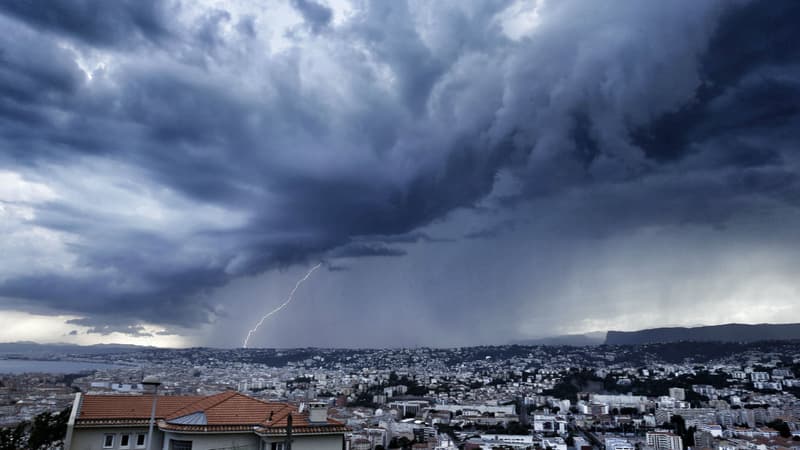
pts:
pixel 281 306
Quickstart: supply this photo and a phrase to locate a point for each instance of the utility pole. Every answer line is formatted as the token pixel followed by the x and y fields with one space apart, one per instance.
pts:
pixel 288 445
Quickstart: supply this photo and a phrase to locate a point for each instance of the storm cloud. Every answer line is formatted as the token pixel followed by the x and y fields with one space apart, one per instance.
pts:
pixel 154 152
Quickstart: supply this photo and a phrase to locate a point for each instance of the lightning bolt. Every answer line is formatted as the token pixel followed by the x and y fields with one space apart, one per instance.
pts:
pixel 282 305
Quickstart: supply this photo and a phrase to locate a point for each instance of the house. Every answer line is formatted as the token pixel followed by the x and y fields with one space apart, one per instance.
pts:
pixel 228 420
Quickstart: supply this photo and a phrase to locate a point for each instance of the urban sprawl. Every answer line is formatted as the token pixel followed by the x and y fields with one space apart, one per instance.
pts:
pixel 659 396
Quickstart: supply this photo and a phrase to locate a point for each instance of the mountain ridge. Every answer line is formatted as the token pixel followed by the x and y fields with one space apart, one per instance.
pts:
pixel 574 340
pixel 730 332
pixel 35 348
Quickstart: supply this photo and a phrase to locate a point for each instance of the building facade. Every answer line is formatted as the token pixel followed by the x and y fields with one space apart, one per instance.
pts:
pixel 225 421
pixel 664 441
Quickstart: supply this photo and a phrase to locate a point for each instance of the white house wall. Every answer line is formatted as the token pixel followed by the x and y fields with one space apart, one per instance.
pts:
pixel 247 441
pixel 92 438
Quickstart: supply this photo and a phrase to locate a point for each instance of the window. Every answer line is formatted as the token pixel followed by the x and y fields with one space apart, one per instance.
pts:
pixel 108 441
pixel 125 441
pixel 180 445
pixel 278 446
pixel 140 439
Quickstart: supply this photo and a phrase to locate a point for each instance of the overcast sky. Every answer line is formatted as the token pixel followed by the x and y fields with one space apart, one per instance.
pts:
pixel 466 171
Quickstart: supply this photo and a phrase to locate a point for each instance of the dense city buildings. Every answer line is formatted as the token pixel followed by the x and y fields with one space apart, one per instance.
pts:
pixel 658 397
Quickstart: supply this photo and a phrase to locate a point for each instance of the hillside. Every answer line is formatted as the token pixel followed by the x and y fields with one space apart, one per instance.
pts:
pixel 575 340
pixel 733 332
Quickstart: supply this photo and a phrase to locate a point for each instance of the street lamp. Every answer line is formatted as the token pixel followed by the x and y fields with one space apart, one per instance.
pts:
pixel 153 381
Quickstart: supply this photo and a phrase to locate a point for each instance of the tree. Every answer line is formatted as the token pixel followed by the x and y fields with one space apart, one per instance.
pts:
pixel 678 424
pixel 404 442
pixel 48 429
pixel 516 428
pixel 447 429
pixel 781 427
pixel 688 439
pixel 12 438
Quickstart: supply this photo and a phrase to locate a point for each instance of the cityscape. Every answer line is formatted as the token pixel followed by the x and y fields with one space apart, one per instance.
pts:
pixel 399 224
pixel 666 396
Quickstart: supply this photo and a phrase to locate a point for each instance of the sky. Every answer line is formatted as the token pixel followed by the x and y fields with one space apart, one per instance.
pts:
pixel 465 172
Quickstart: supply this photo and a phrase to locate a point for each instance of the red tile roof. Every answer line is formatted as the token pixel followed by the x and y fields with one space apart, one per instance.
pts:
pixel 233 408
pixel 225 411
pixel 130 406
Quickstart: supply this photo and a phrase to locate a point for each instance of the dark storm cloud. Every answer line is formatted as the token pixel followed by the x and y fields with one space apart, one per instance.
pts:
pixel 94 22
pixel 336 268
pixel 33 78
pixel 317 15
pixel 105 330
pixel 494 230
pixel 403 238
pixel 236 162
pixel 363 250
pixel 737 49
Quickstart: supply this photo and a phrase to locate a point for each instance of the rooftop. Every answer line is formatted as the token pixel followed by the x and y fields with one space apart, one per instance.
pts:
pixel 224 411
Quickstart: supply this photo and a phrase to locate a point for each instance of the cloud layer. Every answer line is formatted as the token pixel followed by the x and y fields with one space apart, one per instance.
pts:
pixel 153 152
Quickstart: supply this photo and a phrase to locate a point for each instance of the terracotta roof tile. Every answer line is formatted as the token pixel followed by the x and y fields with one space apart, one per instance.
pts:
pixel 241 409
pixel 131 406
pixel 225 410
pixel 229 408
pixel 201 404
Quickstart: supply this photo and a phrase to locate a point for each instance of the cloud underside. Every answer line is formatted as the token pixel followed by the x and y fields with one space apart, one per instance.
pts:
pixel 156 151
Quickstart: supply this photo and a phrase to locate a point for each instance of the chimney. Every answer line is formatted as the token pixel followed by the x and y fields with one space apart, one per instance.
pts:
pixel 318 412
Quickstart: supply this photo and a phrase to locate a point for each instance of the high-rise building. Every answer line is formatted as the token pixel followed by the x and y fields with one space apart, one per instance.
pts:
pixel 677 393
pixel 661 440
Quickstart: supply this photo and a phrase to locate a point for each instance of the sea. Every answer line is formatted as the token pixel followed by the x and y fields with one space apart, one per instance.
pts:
pixel 17 366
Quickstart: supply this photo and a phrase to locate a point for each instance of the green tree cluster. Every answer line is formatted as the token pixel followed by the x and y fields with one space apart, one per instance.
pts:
pixel 45 431
pixel 781 427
